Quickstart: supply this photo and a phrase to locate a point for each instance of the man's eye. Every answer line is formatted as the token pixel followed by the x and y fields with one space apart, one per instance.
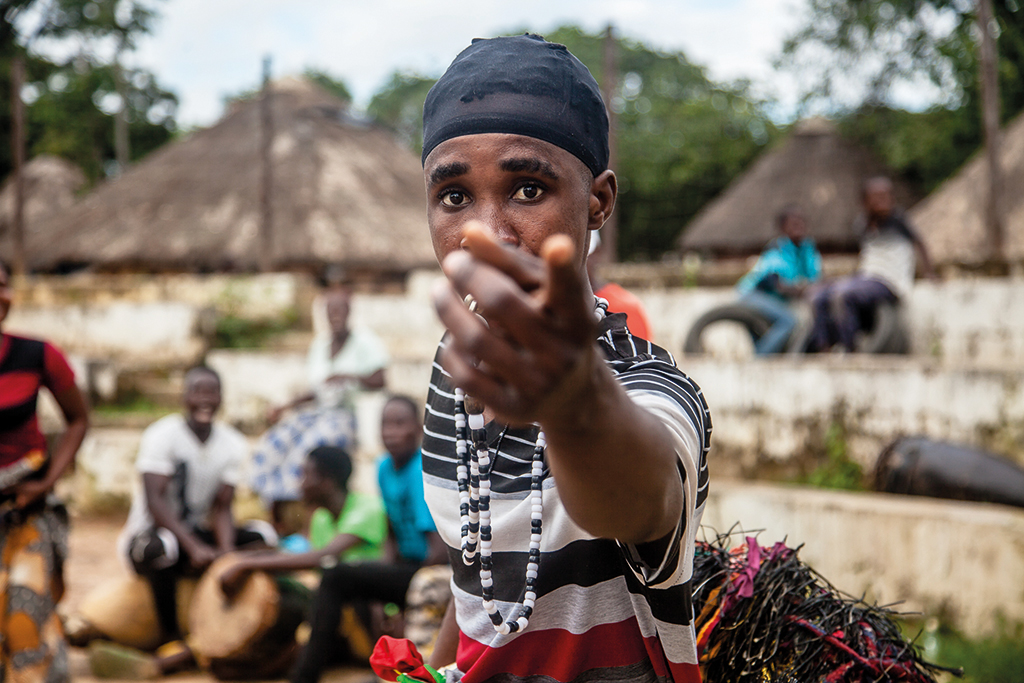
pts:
pixel 528 192
pixel 454 198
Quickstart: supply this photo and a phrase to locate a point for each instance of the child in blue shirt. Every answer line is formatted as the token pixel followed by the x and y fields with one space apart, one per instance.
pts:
pixel 787 266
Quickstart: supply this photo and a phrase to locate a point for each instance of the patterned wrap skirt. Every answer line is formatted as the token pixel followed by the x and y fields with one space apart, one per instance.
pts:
pixel 33 548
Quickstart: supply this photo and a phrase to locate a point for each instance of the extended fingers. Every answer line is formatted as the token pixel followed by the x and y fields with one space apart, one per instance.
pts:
pixel 564 296
pixel 525 270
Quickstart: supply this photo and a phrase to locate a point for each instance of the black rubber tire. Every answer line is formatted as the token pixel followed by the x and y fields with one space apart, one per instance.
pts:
pixel 755 323
pixel 886 335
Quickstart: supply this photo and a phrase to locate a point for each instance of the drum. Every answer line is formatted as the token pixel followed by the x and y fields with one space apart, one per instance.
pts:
pixel 122 610
pixel 250 635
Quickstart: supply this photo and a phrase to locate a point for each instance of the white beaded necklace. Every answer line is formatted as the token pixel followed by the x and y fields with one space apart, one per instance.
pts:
pixel 474 479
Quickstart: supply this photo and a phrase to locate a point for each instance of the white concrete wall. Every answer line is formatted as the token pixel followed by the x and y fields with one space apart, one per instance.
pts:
pixel 977 322
pixel 776 409
pixel 158 332
pixel 963 561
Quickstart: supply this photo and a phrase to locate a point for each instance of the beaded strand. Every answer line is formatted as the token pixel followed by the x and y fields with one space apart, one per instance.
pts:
pixel 474 481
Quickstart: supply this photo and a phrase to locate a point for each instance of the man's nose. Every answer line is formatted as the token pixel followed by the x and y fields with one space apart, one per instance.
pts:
pixel 498 224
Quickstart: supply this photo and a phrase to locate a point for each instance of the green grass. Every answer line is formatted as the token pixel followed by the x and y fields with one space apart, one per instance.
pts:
pixel 136 405
pixel 997 659
pixel 838 471
pixel 233 332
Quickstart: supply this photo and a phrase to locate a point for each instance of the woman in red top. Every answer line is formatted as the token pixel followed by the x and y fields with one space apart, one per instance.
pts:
pixel 33 526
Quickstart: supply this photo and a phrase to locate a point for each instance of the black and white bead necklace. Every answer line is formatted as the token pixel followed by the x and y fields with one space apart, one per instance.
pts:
pixel 474 480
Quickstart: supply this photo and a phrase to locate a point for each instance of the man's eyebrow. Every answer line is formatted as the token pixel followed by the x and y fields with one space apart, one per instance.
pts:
pixel 529 164
pixel 448 171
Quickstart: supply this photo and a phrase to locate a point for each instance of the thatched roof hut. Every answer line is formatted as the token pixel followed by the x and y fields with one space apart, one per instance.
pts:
pixel 951 220
pixel 813 168
pixel 50 186
pixel 343 192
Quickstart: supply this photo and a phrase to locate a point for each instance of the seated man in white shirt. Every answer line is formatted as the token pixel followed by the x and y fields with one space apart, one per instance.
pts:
pixel 182 520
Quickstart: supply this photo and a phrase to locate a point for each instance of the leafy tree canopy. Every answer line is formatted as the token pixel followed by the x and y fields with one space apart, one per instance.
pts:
pixel 399 106
pixel 70 104
pixel 333 85
pixel 856 54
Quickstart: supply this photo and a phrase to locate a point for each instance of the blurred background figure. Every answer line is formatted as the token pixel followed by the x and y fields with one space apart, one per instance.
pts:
pixel 339 364
pixel 190 464
pixel 33 523
pixel 619 299
pixel 780 277
pixel 885 273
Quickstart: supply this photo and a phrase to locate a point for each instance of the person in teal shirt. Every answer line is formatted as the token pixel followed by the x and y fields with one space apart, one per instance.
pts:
pixel 788 265
pixel 400 476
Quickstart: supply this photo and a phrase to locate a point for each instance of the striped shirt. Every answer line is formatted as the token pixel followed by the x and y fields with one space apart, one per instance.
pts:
pixel 601 613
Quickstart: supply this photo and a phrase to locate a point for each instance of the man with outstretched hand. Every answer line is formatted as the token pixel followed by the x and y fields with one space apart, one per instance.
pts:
pixel 564 459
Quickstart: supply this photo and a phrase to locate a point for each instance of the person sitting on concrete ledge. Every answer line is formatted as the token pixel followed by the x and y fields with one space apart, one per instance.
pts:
pixel 339 365
pixel 786 268
pixel 885 273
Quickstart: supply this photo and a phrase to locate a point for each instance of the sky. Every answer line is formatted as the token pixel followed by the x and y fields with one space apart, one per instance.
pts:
pixel 206 49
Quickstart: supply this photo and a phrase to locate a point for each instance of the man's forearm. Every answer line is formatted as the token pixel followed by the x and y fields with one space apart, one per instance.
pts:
pixel 615 463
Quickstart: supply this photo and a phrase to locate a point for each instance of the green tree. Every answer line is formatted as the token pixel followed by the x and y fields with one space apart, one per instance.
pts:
pixel 856 53
pixel 333 85
pixel 70 105
pixel 682 138
pixel 399 107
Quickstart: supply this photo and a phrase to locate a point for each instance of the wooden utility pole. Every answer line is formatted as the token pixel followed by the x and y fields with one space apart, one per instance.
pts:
pixel 266 242
pixel 122 140
pixel 989 76
pixel 18 145
pixel 610 231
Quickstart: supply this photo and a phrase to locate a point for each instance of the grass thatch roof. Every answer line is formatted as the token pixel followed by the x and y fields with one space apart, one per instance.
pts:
pixel 343 192
pixel 813 168
pixel 951 219
pixel 50 186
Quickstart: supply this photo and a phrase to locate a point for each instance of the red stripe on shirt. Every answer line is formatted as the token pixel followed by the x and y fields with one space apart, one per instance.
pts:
pixel 564 656
pixel 18 387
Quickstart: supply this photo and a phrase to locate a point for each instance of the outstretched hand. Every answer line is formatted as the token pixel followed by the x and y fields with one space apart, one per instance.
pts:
pixel 534 356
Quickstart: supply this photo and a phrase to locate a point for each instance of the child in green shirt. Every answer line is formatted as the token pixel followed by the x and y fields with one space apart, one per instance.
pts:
pixel 346 526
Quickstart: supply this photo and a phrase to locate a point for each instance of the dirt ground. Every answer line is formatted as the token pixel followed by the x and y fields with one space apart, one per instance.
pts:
pixel 92 560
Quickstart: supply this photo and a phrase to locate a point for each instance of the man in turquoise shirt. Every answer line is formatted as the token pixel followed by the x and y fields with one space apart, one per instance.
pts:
pixel 400 475
pixel 787 266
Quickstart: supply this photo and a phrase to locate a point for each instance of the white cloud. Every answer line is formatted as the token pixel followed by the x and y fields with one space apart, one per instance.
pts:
pixel 204 50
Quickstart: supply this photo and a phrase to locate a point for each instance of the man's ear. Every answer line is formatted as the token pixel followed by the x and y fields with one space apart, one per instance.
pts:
pixel 603 191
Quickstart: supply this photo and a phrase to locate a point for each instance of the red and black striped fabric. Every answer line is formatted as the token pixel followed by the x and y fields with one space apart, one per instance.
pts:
pixel 602 613
pixel 25 366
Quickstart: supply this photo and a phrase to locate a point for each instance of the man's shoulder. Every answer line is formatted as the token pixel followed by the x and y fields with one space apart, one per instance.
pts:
pixel 166 425
pixel 226 431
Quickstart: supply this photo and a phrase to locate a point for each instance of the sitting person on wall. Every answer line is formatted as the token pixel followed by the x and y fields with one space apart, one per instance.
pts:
pixel 620 300
pixel 181 522
pixel 885 273
pixel 338 366
pixel 786 268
